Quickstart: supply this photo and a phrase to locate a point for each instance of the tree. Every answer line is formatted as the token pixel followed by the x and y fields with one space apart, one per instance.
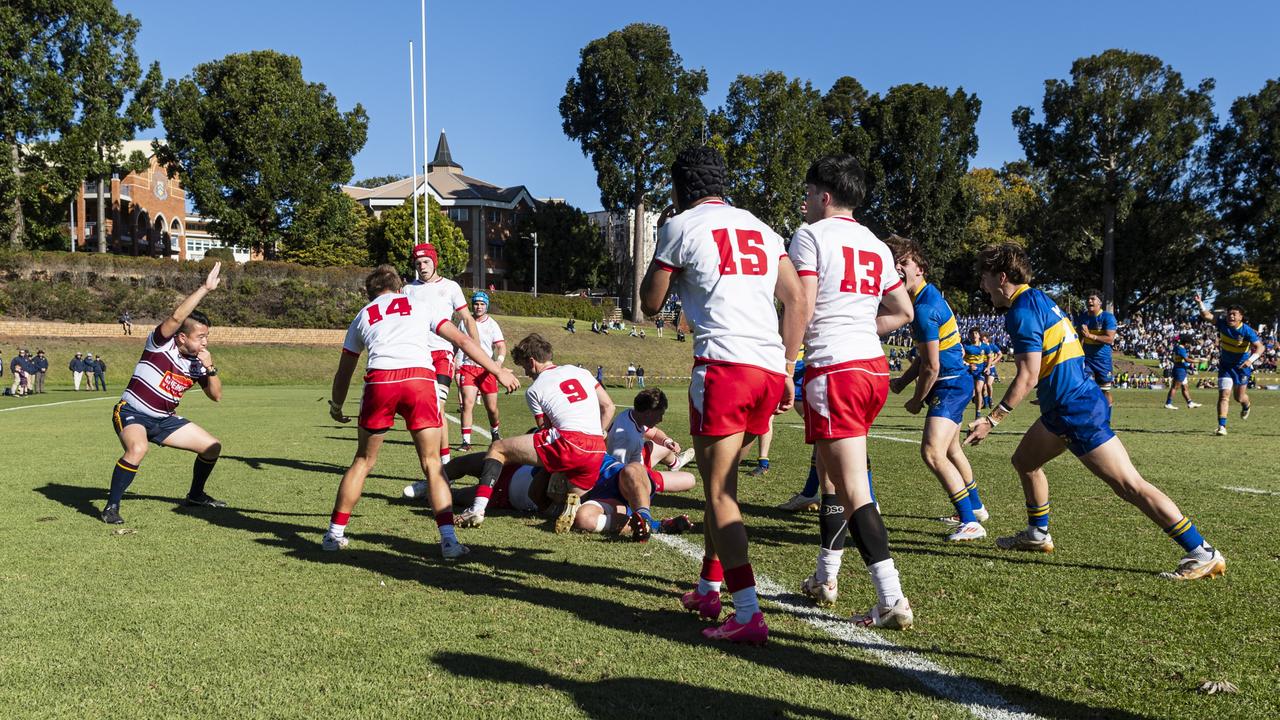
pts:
pixel 256 143
pixel 378 181
pixel 920 140
pixel 1244 161
pixel 40 42
pixel 571 251
pixel 1005 204
pixel 632 106
pixel 772 129
pixel 107 74
pixel 330 233
pixel 1123 124
pixel 392 238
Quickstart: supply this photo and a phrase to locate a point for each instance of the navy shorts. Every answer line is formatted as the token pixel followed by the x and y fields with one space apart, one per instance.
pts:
pixel 123 415
pixel 1238 377
pixel 949 399
pixel 606 487
pixel 1100 370
pixel 1180 375
pixel 1083 423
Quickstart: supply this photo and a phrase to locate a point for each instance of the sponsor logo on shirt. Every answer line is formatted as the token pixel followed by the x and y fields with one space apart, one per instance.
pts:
pixel 175 384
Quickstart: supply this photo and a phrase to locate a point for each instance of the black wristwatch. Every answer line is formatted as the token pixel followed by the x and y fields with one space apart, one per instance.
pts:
pixel 211 372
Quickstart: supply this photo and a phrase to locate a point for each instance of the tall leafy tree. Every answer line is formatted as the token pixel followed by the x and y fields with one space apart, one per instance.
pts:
pixel 330 233
pixel 257 143
pixel 1005 205
pixel 1244 159
pixel 572 253
pixel 845 106
pixel 392 238
pixel 115 101
pixel 919 143
pixel 773 127
pixel 378 181
pixel 631 106
pixel 1124 124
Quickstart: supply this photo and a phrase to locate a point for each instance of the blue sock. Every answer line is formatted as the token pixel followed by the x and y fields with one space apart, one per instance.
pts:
pixel 644 513
pixel 121 476
pixel 1184 533
pixel 964 510
pixel 1222 422
pixel 1038 516
pixel 975 501
pixel 811 484
pixel 764 463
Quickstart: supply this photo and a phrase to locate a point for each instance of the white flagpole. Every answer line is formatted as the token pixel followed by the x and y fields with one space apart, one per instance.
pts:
pixel 413 138
pixel 426 203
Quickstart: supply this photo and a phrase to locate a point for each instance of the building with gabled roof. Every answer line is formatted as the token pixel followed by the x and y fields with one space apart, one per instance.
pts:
pixel 488 214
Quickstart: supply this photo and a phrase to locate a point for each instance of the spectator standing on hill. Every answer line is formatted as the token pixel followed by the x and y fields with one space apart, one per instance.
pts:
pixel 90 365
pixel 640 375
pixel 76 366
pixel 126 322
pixel 16 368
pixel 631 375
pixel 100 374
pixel 659 323
pixel 41 367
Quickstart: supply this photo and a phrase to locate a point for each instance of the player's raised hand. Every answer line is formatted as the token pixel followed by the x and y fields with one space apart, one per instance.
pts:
pixel 508 380
pixel 335 412
pixel 978 431
pixel 211 282
pixel 205 358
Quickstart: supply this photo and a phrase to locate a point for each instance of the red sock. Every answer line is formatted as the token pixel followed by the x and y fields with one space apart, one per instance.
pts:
pixel 739 578
pixel 339 518
pixel 444 517
pixel 484 491
pixel 711 570
pixel 444 453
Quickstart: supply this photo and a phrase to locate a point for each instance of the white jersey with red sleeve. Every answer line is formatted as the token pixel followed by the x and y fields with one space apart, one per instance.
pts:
pixel 161 376
pixel 566 397
pixel 394 328
pixel 626 439
pixel 725 265
pixel 490 335
pixel 854 270
pixel 445 292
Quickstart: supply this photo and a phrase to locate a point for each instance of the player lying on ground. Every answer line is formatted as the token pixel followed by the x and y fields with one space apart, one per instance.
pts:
pixel 943 385
pixel 176 356
pixel 398 380
pixel 572 410
pixel 1074 415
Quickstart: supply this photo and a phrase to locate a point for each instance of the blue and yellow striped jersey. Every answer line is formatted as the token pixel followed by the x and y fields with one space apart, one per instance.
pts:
pixel 1233 342
pixel 1180 356
pixel 935 321
pixel 1036 324
pixel 1097 324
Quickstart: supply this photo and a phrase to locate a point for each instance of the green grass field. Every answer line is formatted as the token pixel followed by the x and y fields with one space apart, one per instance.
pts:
pixel 238 613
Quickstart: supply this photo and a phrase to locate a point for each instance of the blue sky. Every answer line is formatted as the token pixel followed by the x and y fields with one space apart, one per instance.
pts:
pixel 496 70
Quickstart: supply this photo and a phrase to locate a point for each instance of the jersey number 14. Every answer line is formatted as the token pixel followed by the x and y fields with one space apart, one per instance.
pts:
pixel 399 306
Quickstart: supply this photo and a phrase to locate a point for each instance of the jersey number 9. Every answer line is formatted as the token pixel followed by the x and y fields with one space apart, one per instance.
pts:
pixel 573 391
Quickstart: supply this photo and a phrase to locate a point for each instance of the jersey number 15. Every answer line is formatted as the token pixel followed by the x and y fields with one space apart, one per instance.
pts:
pixel 750 258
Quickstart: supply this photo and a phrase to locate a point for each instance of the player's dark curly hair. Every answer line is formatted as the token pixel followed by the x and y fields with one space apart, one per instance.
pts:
pixel 903 248
pixel 698 172
pixel 195 318
pixel 1008 258
pixel 650 399
pixel 840 175
pixel 533 347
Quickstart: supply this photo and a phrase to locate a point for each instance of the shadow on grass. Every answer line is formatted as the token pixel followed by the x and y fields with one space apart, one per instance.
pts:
pixel 519 575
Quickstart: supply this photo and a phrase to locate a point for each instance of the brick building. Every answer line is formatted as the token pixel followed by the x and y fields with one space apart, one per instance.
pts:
pixel 487 214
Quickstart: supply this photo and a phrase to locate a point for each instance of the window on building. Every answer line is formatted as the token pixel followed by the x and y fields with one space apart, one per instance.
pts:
pixel 458 214
pixel 493 215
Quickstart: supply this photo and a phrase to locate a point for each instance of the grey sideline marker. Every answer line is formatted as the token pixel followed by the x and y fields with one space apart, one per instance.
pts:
pixel 946 683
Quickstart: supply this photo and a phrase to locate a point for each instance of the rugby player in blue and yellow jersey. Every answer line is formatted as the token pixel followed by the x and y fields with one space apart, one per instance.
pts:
pixel 1239 347
pixel 943 384
pixel 994 355
pixel 1097 334
pixel 1181 363
pixel 1073 415
pixel 975 359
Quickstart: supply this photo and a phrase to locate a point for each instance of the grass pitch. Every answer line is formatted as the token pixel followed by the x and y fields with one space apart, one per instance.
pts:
pixel 238 613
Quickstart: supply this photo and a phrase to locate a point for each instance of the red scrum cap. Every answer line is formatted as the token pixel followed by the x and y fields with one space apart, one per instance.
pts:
pixel 425 250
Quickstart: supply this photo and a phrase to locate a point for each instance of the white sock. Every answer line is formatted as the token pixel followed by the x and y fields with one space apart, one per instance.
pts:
pixel 494 430
pixel 828 564
pixel 1202 553
pixel 705 586
pixel 466 437
pixel 1037 532
pixel 479 504
pixel 336 530
pixel 444 457
pixel 602 522
pixel 884 576
pixel 745 604
pixel 447 535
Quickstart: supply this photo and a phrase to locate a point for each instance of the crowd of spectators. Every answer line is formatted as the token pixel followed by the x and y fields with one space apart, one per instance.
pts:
pixel 990 325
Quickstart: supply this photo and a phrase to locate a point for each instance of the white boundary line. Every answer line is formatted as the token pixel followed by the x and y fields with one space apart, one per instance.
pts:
pixel 945 683
pixel 1250 491
pixel 64 402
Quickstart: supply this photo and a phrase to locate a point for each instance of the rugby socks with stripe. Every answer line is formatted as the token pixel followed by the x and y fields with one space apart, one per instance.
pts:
pixel 964 510
pixel 1184 533
pixel 975 500
pixel 711 577
pixel 121 477
pixel 199 475
pixel 833 528
pixel 444 455
pixel 495 432
pixel 741 581
pixel 1038 521
pixel 484 490
pixel 444 520
pixel 1222 422
pixel 466 435
pixel 338 524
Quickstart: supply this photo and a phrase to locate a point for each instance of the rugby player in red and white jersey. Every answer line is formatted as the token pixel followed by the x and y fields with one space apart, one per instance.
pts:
pixel 474 380
pixel 728 267
pixel 175 357
pixel 572 410
pixel 393 328
pixel 850 280
pixel 430 286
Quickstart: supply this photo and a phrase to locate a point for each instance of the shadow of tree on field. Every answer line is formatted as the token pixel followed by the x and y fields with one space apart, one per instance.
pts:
pixel 522 575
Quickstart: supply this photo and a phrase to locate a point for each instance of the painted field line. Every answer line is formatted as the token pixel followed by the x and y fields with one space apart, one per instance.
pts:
pixel 945 683
pixel 876 436
pixel 64 402
pixel 1250 491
